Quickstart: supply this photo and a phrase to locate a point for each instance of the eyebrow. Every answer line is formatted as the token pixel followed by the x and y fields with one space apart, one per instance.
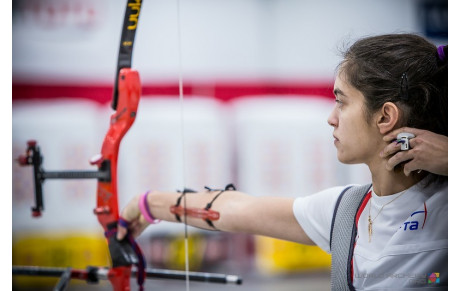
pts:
pixel 337 91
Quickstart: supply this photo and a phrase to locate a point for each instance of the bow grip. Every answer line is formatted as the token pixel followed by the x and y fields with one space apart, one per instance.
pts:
pixel 121 252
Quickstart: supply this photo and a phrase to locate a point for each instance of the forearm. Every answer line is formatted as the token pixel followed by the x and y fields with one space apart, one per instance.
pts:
pixel 160 204
pixel 229 206
pixel 238 212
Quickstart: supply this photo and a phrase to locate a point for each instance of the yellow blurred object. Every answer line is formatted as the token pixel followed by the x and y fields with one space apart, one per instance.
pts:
pixel 57 250
pixel 278 256
pixel 176 252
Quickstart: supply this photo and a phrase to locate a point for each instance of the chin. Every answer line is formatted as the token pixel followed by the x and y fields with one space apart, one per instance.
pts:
pixel 341 157
pixel 346 160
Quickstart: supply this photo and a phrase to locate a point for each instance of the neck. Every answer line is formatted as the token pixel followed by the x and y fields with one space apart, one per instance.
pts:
pixel 387 182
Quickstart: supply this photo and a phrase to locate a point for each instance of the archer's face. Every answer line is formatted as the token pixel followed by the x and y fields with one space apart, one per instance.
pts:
pixel 354 138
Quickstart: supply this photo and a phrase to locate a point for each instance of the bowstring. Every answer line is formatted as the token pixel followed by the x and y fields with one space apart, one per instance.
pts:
pixel 182 125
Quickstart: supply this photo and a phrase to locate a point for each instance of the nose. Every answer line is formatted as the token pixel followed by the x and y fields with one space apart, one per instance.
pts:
pixel 332 120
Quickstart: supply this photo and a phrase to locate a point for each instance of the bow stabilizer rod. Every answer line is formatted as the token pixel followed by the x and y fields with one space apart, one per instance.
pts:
pixel 93 274
pixel 34 158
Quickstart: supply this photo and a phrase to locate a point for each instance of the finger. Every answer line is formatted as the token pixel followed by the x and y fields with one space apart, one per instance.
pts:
pixel 410 167
pixel 414 141
pixel 390 149
pixel 398 158
pixel 394 134
pixel 121 232
pixel 123 227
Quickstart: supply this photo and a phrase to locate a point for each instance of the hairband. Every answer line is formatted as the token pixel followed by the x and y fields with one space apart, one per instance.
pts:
pixel 441 54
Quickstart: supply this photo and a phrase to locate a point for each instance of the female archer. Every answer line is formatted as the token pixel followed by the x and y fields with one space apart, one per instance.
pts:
pixel 383 83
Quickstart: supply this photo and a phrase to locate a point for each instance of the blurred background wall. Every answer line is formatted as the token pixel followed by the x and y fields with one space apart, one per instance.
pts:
pixel 258 78
pixel 234 43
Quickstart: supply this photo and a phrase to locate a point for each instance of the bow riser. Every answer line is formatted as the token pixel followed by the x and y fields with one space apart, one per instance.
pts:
pixel 120 278
pixel 107 211
pixel 129 88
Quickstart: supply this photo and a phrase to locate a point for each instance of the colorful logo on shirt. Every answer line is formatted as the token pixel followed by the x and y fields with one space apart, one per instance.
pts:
pixel 433 278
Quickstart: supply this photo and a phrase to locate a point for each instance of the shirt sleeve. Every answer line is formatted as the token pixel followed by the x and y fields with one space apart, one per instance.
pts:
pixel 314 214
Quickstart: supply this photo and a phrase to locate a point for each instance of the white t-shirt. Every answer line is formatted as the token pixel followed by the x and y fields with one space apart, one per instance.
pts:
pixel 408 248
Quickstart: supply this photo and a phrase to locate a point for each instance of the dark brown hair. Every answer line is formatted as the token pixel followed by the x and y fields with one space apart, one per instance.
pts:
pixel 405 69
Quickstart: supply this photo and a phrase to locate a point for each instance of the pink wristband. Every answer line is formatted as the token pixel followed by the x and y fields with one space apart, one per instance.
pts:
pixel 144 208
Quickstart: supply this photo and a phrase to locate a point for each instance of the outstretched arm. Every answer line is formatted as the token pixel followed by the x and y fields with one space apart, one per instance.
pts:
pixel 239 212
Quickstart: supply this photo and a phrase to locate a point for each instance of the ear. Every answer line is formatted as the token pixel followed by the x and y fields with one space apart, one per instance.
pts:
pixel 387 117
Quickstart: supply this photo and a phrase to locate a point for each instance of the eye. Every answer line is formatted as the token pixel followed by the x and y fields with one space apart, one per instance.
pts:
pixel 339 102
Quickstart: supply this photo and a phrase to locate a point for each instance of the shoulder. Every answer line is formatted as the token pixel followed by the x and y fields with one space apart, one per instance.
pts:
pixel 326 193
pixel 314 214
pixel 434 193
pixel 319 203
pixel 437 198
